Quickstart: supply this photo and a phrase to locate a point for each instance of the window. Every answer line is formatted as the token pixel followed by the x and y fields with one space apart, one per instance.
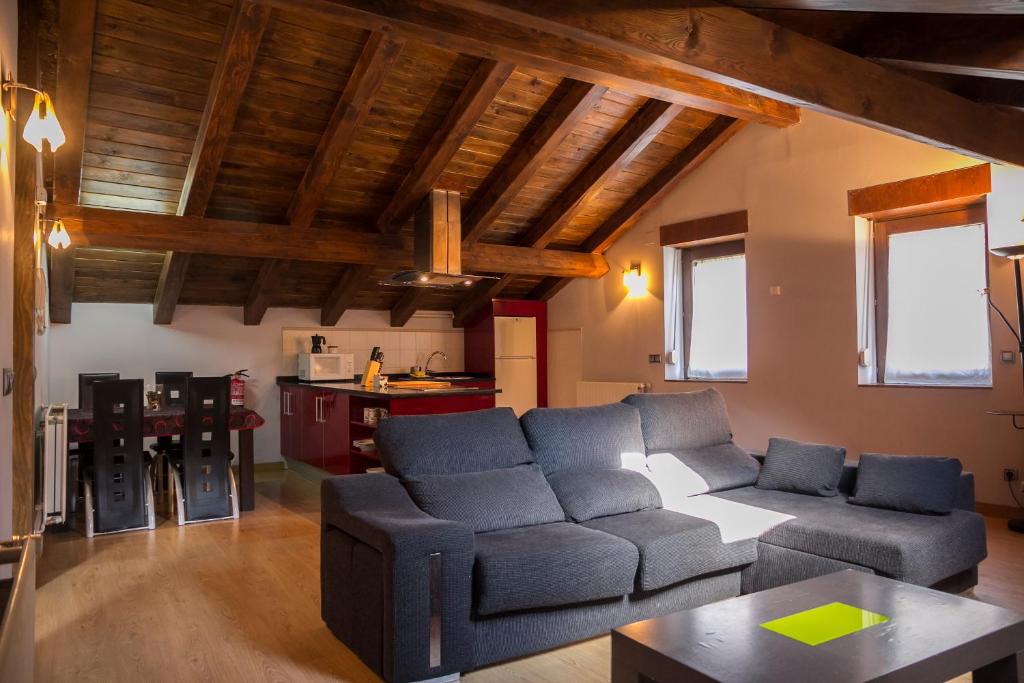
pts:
pixel 931 317
pixel 710 284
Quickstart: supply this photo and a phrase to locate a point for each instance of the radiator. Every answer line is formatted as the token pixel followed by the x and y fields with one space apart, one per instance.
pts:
pixel 596 393
pixel 53 456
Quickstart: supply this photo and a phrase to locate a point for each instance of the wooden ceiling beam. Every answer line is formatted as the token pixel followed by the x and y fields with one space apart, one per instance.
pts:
pixel 976 45
pixel 477 29
pixel 234 64
pixel 91 226
pixel 168 289
pixel 735 47
pixel 379 54
pixel 76 26
pixel 258 301
pixel 693 155
pixel 407 305
pixel 936 6
pixel 61 266
pixel 632 139
pixel 482 294
pixel 476 97
pixel 343 294
pixel 548 287
pixel 529 152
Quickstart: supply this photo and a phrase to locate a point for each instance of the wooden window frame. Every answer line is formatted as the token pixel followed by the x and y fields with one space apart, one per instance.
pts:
pixel 700 253
pixel 881 229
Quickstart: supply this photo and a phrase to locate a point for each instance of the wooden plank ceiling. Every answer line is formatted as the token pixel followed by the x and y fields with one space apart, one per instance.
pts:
pixel 304 114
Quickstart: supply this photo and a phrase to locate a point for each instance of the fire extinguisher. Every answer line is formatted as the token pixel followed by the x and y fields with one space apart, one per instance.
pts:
pixel 238 387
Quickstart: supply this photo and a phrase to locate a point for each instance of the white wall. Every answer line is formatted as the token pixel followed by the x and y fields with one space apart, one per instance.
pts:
pixel 803 344
pixel 208 340
pixel 8 61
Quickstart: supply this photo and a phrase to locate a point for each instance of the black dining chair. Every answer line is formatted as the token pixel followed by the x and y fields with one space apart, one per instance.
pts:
pixel 173 384
pixel 174 387
pixel 204 484
pixel 79 457
pixel 118 488
pixel 86 380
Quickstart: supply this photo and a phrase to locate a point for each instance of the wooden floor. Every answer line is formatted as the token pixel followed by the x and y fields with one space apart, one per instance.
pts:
pixel 239 601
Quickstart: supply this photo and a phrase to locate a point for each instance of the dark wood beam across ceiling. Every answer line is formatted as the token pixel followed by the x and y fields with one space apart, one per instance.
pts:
pixel 378 56
pixel 697 152
pixel 937 6
pixel 531 150
pixel 343 294
pixel 733 46
pixel 477 95
pixel 89 226
pixel 259 295
pixel 629 142
pixel 480 29
pixel 76 27
pixel 234 65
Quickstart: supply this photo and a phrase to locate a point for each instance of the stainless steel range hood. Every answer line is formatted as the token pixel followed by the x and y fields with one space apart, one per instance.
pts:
pixel 437 247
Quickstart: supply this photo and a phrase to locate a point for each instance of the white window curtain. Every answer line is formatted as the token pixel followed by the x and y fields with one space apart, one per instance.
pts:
pixel 938 325
pixel 673 268
pixel 718 334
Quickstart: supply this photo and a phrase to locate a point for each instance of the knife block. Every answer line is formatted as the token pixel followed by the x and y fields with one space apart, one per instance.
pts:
pixel 371 371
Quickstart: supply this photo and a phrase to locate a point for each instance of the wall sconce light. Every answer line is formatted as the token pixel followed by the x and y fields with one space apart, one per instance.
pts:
pixel 42 124
pixel 58 237
pixel 635 281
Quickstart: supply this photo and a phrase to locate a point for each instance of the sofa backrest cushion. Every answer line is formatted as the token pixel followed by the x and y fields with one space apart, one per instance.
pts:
pixel 451 443
pixel 587 494
pixel 683 421
pixel 506 498
pixel 921 484
pixel 723 466
pixel 797 467
pixel 594 437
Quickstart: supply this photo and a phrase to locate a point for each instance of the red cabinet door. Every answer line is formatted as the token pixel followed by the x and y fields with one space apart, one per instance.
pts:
pixel 311 428
pixel 287 422
pixel 336 441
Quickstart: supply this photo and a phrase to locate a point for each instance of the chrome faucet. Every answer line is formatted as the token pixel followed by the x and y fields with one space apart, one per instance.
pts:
pixel 426 366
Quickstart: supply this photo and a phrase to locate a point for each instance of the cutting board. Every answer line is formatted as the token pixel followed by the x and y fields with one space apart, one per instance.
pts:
pixel 418 384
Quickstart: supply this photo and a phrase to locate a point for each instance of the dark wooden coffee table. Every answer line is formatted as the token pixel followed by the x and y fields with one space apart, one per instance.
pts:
pixel 918 634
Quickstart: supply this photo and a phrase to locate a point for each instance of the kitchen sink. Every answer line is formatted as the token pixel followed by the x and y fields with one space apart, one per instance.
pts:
pixel 451 377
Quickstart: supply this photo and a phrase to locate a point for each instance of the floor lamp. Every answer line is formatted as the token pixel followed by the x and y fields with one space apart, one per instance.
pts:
pixel 1015 253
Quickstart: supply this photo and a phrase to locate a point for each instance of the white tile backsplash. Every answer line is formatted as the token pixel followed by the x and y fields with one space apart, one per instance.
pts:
pixel 402 348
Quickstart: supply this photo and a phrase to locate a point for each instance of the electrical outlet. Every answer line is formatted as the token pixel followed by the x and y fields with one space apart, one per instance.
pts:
pixel 1011 474
pixel 654 358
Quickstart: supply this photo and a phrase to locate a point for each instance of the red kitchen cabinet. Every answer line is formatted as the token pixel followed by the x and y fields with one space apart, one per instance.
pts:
pixel 291 434
pixel 335 430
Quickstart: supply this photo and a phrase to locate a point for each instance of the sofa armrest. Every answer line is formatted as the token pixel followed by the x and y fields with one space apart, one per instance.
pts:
pixel 386 562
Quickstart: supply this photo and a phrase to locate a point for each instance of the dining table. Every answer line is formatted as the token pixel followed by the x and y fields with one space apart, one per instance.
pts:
pixel 170 421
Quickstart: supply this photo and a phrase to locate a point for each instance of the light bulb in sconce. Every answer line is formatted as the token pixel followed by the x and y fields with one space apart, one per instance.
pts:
pixel 635 282
pixel 58 237
pixel 43 125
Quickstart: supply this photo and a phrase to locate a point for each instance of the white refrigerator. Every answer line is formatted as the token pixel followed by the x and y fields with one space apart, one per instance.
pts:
pixel 515 362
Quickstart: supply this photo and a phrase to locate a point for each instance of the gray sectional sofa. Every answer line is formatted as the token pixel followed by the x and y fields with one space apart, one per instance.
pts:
pixel 491 538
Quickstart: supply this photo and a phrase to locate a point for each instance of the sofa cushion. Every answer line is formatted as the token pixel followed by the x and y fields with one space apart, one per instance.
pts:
pixel 550 565
pixel 451 443
pixel 682 421
pixel 797 467
pixel 497 499
pixel 585 494
pixel 594 437
pixel 925 485
pixel 675 547
pixel 722 466
pixel 919 549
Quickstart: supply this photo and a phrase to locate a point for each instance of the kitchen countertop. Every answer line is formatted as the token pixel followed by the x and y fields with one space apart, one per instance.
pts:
pixel 356 389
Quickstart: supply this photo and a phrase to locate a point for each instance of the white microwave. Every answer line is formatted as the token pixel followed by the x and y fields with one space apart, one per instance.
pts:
pixel 321 367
